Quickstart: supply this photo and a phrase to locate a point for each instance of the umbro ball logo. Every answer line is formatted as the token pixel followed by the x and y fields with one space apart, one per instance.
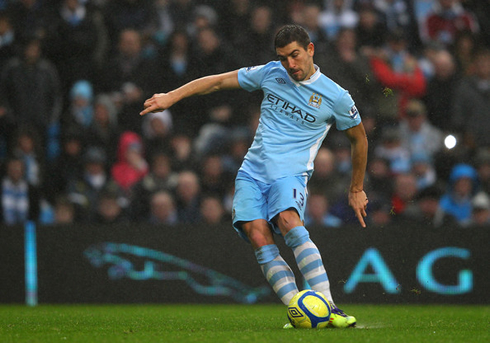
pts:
pixel 280 80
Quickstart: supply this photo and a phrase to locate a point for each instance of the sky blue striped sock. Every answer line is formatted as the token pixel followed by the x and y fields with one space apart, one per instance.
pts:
pixel 309 260
pixel 277 272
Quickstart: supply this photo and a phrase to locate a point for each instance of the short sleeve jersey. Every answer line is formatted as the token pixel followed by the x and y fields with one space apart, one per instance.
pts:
pixel 295 118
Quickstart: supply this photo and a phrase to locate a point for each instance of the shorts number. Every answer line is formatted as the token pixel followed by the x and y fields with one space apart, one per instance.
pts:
pixel 301 200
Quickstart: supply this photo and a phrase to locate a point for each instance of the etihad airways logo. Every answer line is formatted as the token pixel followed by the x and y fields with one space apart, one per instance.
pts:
pixel 290 109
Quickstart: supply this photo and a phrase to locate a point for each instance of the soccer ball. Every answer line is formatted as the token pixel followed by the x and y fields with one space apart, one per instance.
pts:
pixel 309 309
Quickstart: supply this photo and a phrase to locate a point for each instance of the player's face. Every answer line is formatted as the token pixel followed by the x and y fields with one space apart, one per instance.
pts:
pixel 297 61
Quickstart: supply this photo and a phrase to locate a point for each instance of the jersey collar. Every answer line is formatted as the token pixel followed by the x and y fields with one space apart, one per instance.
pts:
pixel 312 78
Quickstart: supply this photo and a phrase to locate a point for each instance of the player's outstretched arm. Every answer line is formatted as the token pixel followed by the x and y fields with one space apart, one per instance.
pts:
pixel 203 85
pixel 359 146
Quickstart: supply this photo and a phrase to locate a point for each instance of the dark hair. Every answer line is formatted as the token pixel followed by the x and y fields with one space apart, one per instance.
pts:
pixel 291 33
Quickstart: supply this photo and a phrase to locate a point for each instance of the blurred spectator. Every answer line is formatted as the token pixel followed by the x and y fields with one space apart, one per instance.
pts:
pixel 464 48
pixel 182 12
pixel 7 39
pixel 213 177
pixel 164 25
pixel 309 18
pixel 203 16
pixel 379 178
pixel 67 167
pixel 214 133
pixel 260 35
pixel 404 192
pixel 426 209
pixel 447 18
pixel 64 211
pixel 214 55
pixel 30 89
pixel 317 212
pixel 351 70
pixel 7 127
pixel 212 211
pixel 482 11
pixel 480 215
pixel 380 212
pixel 463 184
pixel 104 131
pixel 471 110
pixel 81 105
pixel 417 135
pixel 426 58
pixel 20 200
pixel 424 170
pixel 399 15
pixel 163 209
pixel 128 77
pixel 160 177
pixel 373 130
pixel 109 208
pixel 391 149
pixel 177 65
pixel 131 165
pixel 482 164
pixel 188 197
pixel 370 30
pixel 234 20
pixel 139 15
pixel 157 130
pixel 84 191
pixel 72 41
pixel 340 146
pixel 182 153
pixel 28 148
pixel 239 142
pixel 398 71
pixel 29 18
pixel 326 180
pixel 441 89
pixel 338 14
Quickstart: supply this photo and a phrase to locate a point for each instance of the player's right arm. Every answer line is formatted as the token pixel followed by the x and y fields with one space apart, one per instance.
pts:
pixel 203 85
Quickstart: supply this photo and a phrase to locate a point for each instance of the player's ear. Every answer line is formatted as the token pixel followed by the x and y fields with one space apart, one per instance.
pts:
pixel 310 49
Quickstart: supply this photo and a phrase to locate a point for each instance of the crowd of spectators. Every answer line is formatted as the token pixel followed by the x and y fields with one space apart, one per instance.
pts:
pixel 74 75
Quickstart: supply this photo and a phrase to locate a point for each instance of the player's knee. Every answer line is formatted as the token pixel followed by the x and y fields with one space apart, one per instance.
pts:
pixel 288 219
pixel 258 239
pixel 258 233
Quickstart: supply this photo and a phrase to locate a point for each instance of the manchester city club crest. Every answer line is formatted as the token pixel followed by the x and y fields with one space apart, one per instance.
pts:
pixel 315 100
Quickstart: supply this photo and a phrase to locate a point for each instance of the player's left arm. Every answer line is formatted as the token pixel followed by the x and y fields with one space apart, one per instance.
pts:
pixel 359 147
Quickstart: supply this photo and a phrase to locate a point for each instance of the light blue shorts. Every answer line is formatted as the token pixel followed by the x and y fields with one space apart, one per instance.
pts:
pixel 258 200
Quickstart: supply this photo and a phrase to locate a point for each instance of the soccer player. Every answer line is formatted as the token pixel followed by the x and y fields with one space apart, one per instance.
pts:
pixel 300 105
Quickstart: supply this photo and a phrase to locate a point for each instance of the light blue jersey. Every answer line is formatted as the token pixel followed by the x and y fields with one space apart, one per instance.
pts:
pixel 295 118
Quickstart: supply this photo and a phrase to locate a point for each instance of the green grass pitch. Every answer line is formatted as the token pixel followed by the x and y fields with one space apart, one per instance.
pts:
pixel 237 323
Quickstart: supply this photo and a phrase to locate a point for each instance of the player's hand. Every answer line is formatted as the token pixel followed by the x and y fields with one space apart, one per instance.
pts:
pixel 157 103
pixel 358 201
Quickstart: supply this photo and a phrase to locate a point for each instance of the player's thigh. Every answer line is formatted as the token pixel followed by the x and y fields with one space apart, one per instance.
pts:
pixel 249 202
pixel 286 193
